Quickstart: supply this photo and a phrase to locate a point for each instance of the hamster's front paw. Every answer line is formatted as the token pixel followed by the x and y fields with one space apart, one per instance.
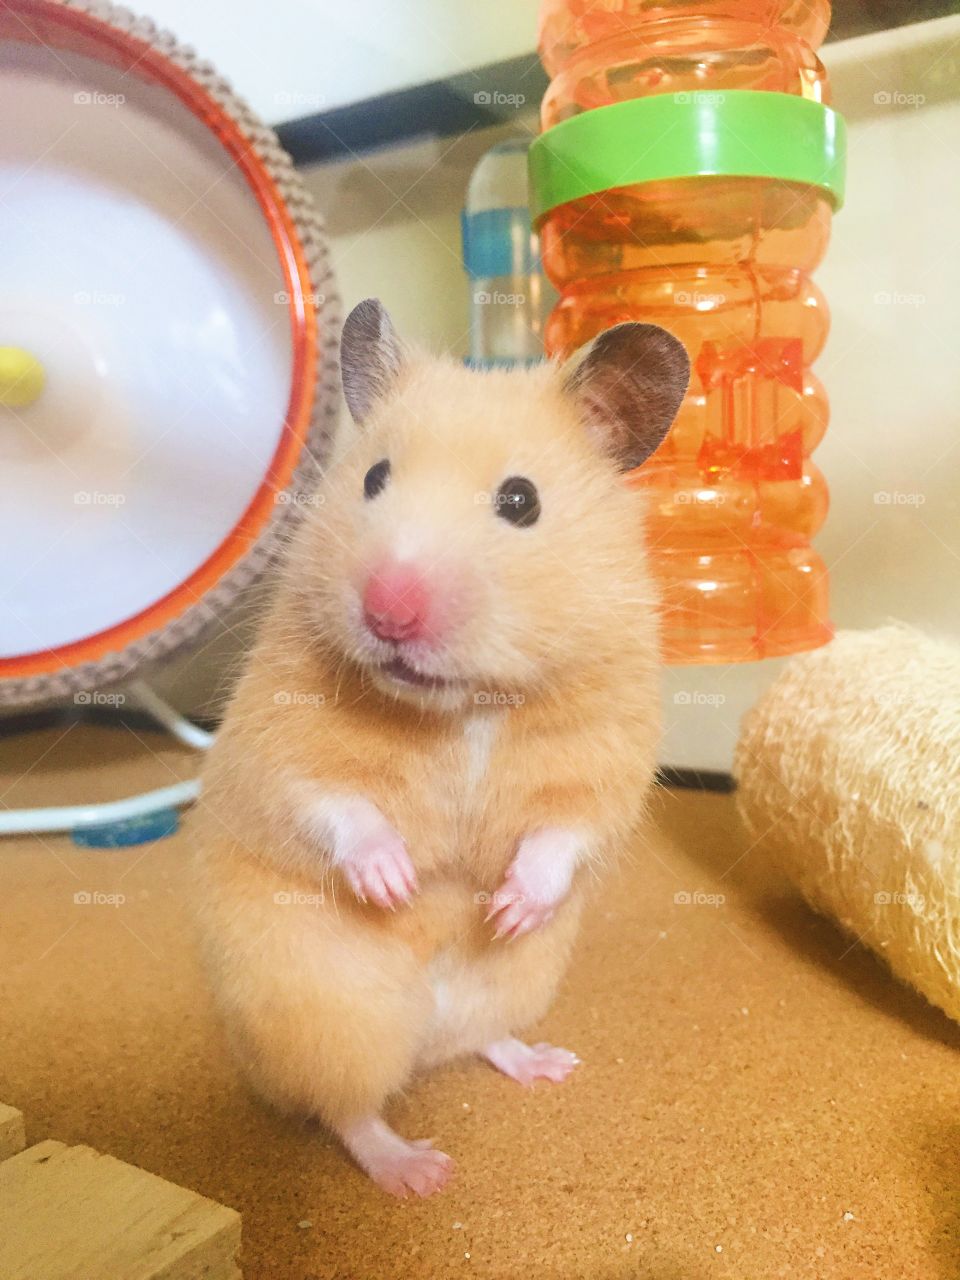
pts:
pixel 516 911
pixel 378 869
pixel 537 881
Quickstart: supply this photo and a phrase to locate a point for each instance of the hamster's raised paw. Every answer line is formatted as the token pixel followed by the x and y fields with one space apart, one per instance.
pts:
pixel 379 869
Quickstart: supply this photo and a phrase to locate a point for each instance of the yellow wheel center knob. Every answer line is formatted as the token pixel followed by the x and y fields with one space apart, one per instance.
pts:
pixel 21 377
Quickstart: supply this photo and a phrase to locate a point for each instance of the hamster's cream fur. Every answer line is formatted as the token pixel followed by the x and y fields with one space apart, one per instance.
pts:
pixel 372 797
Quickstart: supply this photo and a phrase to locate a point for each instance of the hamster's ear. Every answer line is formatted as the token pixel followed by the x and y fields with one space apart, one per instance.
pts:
pixel 371 357
pixel 628 384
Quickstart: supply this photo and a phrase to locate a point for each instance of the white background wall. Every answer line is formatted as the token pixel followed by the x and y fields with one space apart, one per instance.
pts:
pixel 290 58
pixel 892 366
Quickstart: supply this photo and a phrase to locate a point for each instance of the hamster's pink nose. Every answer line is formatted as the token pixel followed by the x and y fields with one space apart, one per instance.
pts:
pixel 396 603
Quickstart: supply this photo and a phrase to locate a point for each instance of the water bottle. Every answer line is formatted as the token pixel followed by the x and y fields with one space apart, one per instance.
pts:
pixel 687 175
pixel 501 256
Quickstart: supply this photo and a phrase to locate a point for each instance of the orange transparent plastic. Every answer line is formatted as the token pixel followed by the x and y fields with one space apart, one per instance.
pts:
pixel 724 263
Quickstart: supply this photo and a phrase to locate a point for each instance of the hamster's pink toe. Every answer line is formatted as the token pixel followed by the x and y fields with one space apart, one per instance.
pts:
pixel 526 1063
pixel 384 878
pixel 519 917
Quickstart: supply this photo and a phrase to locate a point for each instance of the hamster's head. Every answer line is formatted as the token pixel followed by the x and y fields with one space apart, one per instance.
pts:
pixel 473 538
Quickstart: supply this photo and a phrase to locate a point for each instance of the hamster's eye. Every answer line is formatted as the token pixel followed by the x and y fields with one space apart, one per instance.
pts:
pixel 517 501
pixel 376 478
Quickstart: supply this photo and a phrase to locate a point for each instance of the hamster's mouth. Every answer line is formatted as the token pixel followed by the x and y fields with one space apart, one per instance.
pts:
pixel 403 673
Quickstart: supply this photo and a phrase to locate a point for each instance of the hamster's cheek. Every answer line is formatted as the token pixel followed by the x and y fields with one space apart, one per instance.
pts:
pixel 502 660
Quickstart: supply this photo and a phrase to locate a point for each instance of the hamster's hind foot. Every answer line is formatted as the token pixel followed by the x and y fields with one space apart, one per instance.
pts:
pixel 393 1163
pixel 526 1063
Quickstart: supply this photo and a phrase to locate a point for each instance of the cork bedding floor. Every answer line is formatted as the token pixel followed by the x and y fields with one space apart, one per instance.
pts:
pixel 757 1097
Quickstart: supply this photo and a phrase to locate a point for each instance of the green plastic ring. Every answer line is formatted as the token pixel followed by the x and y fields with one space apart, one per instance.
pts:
pixel 741 133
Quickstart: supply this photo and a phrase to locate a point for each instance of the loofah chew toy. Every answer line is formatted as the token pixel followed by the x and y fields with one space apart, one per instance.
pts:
pixel 848 772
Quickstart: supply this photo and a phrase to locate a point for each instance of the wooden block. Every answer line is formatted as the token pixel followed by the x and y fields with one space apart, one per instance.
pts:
pixel 69 1213
pixel 13 1137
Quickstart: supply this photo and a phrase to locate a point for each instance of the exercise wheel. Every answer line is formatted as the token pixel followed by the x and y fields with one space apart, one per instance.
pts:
pixel 168 327
pixel 168 336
